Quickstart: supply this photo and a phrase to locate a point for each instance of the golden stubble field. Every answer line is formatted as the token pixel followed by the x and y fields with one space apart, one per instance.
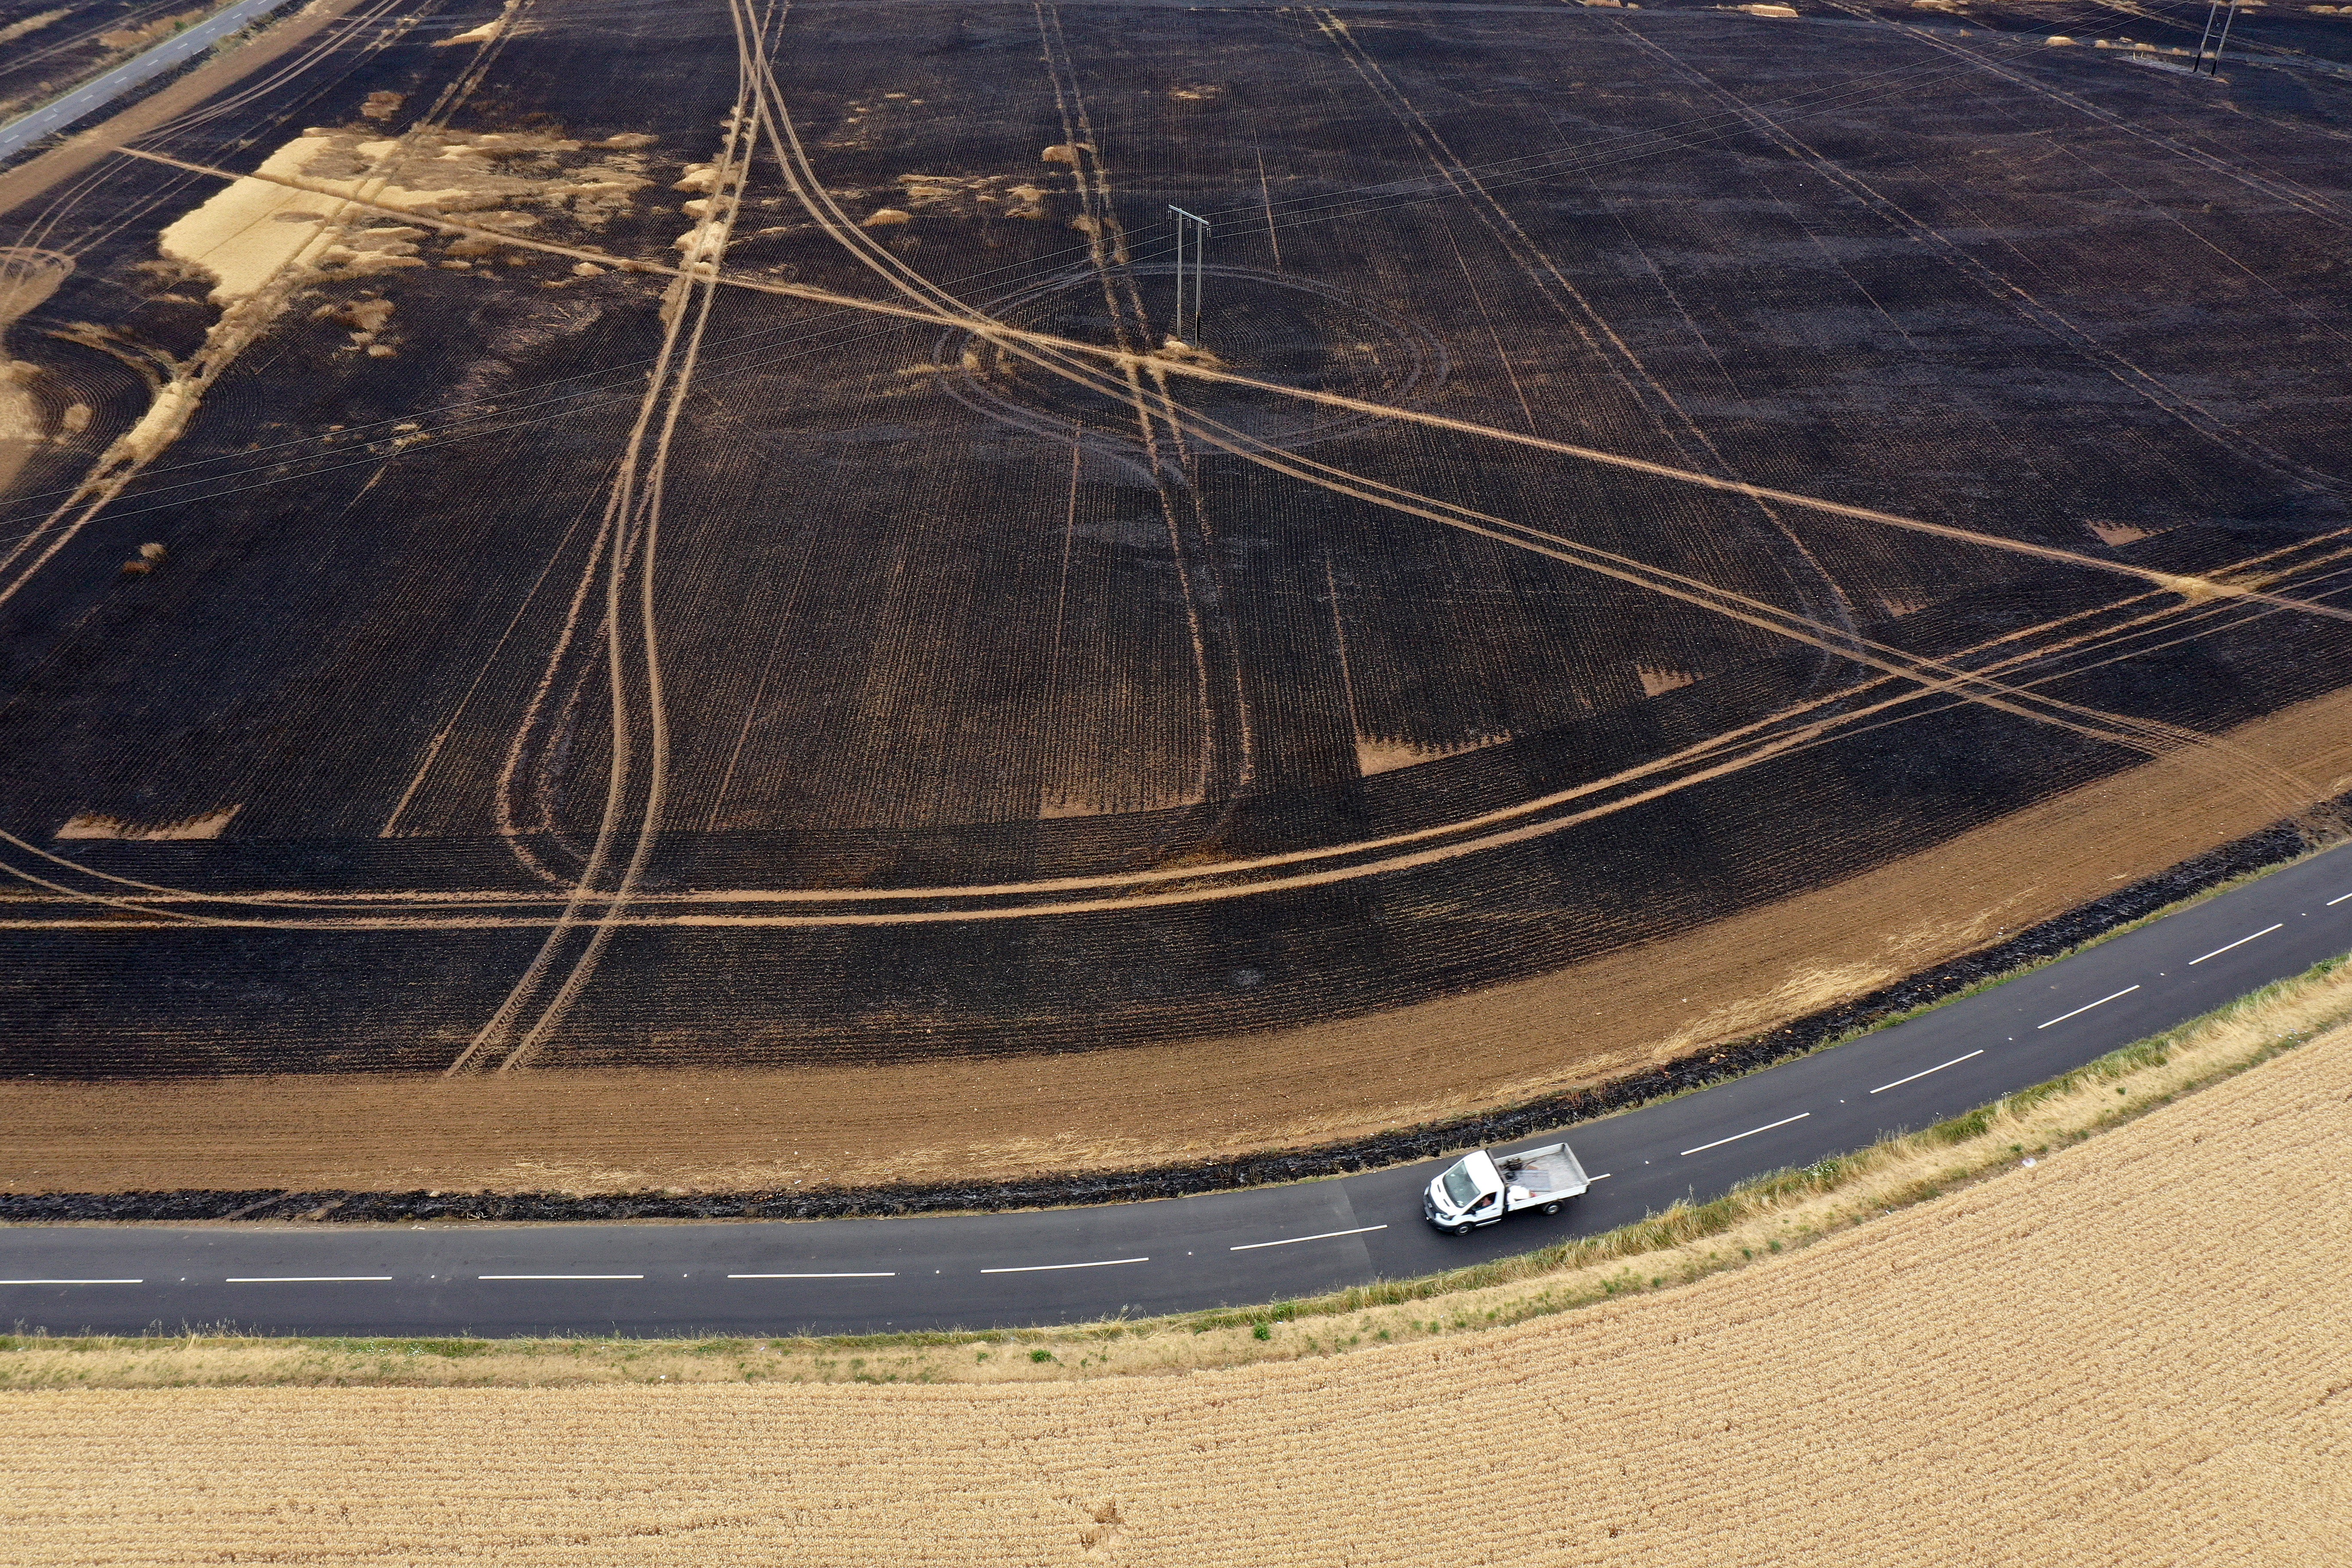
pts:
pixel 2133 1353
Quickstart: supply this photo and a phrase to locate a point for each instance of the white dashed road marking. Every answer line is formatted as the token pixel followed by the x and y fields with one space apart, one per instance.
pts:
pixel 1923 1072
pixel 893 1275
pixel 1750 1133
pixel 2239 942
pixel 1044 1268
pixel 2087 1007
pixel 1318 1236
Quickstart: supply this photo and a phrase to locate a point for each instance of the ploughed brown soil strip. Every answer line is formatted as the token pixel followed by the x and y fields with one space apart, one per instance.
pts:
pixel 2132 1352
pixel 994 1120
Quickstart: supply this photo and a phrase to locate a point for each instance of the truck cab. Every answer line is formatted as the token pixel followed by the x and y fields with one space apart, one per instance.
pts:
pixel 1480 1188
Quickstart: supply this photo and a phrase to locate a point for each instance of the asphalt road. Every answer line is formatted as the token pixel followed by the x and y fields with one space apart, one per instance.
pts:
pixel 1223 1248
pixel 96 94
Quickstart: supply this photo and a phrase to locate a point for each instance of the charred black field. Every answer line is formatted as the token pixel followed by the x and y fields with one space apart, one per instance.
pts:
pixel 473 597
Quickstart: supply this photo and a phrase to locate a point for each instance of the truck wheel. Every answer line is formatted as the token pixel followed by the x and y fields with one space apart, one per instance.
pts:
pixel 1551 1208
pixel 1463 1229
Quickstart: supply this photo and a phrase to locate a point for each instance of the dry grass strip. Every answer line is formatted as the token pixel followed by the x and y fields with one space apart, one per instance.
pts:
pixel 2134 1352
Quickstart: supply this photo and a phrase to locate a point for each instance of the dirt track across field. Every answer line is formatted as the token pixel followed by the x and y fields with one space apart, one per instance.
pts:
pixel 620 1132
pixel 2113 1357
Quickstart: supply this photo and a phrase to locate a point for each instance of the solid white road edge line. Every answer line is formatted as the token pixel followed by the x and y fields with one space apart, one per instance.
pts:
pixel 893 1275
pixel 2087 1007
pixel 1750 1133
pixel 1318 1236
pixel 1041 1267
pixel 72 1282
pixel 307 1279
pixel 559 1276
pixel 1923 1072
pixel 2239 942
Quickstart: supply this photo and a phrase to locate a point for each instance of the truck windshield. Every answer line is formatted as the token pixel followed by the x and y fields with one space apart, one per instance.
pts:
pixel 1459 1188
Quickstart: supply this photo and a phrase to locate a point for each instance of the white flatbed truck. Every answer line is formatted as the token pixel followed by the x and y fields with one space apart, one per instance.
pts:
pixel 1480 1188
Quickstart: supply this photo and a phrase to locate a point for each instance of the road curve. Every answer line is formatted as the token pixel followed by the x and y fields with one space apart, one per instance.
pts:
pixel 838 1277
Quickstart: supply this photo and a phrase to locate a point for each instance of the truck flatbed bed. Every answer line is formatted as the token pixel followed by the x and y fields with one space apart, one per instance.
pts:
pixel 1551 1172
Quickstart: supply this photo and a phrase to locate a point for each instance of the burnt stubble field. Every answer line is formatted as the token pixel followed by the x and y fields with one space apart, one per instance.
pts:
pixel 580 646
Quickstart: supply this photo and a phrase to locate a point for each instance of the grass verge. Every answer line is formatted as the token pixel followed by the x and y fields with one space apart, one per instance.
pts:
pixel 1768 1215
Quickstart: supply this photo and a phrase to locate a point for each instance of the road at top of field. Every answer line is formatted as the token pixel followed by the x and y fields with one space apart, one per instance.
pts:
pixel 170 54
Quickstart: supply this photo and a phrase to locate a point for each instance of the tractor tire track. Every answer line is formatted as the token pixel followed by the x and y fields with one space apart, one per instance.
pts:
pixel 628 544
pixel 2144 739
pixel 1832 726
pixel 2287 193
pixel 1817 590
pixel 1995 285
pixel 1192 886
pixel 1228 743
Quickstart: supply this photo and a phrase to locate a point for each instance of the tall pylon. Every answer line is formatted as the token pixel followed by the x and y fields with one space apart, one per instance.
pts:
pixel 2227 10
pixel 1191 257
